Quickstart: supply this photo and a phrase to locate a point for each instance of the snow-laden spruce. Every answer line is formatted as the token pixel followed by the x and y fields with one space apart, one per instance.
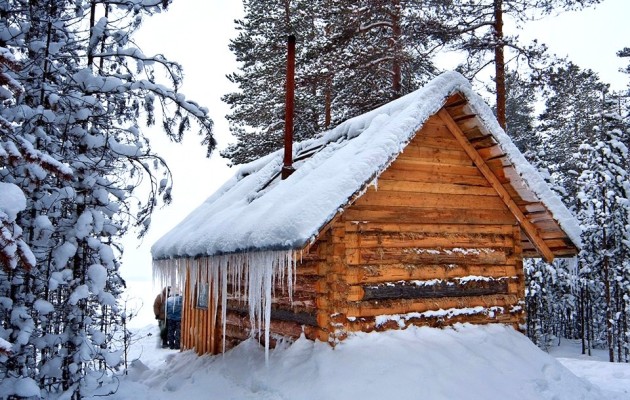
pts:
pixel 77 172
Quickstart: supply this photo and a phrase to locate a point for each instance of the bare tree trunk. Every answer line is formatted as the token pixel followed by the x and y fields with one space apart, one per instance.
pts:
pixel 619 335
pixel 609 324
pixel 397 51
pixel 328 102
pixel 607 294
pixel 499 61
pixel 90 56
pixel 589 321
pixel 582 320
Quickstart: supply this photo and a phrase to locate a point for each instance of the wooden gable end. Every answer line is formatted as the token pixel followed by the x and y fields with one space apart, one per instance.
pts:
pixel 439 239
pixel 543 236
pixel 456 171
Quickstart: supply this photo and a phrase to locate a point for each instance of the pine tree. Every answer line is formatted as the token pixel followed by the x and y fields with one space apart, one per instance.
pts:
pixel 75 149
pixel 604 212
pixel 351 58
pixel 257 119
pixel 520 116
pixel 477 28
pixel 571 117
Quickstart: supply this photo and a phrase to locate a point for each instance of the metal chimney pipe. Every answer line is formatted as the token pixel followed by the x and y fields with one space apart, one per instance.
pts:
pixel 287 168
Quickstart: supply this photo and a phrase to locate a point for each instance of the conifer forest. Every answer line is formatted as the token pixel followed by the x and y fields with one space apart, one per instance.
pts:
pixel 77 171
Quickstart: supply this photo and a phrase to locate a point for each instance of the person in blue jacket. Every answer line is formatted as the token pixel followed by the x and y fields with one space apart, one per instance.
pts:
pixel 174 318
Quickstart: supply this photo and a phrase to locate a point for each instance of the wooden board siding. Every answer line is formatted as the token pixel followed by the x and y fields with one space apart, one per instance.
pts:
pixel 199 329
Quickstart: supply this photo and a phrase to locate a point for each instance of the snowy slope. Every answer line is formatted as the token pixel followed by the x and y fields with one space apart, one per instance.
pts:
pixel 465 362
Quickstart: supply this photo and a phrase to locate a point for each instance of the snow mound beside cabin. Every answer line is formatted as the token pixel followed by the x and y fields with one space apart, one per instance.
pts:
pixel 463 362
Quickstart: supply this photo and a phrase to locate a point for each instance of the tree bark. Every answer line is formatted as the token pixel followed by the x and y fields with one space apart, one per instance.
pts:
pixel 397 51
pixel 499 61
pixel 606 270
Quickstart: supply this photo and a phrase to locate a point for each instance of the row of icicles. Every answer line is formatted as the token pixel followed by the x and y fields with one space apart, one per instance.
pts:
pixel 251 277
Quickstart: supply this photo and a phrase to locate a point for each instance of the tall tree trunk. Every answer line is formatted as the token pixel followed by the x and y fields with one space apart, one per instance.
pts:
pixel 582 320
pixel 90 56
pixel 397 51
pixel 619 335
pixel 499 61
pixel 589 322
pixel 609 324
pixel 328 102
pixel 607 294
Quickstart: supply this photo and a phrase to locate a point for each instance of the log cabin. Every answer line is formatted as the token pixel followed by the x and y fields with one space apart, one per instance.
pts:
pixel 418 212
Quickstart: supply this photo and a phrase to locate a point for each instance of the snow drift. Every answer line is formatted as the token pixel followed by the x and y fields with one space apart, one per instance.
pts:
pixel 463 362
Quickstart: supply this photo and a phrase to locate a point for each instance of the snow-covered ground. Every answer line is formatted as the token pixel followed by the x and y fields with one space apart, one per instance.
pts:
pixel 466 362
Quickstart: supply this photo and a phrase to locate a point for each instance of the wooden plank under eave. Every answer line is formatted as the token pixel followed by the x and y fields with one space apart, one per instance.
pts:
pixel 528 227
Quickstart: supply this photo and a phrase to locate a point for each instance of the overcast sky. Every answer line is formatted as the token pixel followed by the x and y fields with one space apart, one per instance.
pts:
pixel 196 35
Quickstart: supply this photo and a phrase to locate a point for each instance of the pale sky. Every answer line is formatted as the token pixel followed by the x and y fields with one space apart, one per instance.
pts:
pixel 196 35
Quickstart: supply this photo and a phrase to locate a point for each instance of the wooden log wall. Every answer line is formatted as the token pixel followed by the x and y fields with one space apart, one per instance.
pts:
pixel 291 316
pixel 432 244
pixel 432 235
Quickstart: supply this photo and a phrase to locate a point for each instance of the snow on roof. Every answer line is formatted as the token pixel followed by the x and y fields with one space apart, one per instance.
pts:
pixel 257 211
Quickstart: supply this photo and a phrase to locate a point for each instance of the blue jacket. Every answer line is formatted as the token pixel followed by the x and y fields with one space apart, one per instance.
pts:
pixel 174 308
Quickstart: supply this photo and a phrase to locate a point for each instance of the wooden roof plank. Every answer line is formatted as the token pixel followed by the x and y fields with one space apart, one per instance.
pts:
pixel 528 227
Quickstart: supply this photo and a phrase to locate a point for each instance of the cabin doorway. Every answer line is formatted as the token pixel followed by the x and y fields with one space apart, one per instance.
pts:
pixel 201 317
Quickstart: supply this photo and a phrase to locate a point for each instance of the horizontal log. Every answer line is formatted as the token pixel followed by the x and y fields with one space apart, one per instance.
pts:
pixel 301 284
pixel 531 207
pixel 426 240
pixel 402 228
pixel 428 216
pixel 445 178
pixel 430 131
pixel 312 268
pixel 431 187
pixel 406 290
pixel 373 308
pixel 404 272
pixel 238 326
pixel 368 324
pixel 493 151
pixel 279 314
pixel 299 301
pixel 470 125
pixel 434 168
pixel 436 155
pixel 312 254
pixel 459 110
pixel 429 200
pixel 429 256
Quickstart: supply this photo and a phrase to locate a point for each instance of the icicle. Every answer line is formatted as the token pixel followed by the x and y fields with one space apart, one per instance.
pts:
pixel 252 277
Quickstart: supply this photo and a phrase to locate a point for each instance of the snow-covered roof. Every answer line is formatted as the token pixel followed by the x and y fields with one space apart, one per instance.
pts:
pixel 257 211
